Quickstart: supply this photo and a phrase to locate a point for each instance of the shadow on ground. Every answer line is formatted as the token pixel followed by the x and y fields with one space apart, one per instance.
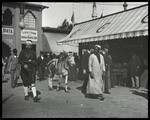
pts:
pixel 19 84
pixel 4 81
pixel 145 90
pixel 61 88
pixel 145 95
pixel 83 91
pixel 79 88
pixel 90 96
pixel 3 101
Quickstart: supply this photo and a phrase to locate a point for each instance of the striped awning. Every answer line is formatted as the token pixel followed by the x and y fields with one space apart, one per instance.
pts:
pixel 129 23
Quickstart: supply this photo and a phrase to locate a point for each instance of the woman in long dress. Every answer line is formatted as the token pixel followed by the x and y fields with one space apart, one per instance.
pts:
pixel 95 84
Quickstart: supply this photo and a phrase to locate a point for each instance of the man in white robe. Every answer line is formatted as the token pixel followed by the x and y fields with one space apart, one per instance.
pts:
pixel 95 85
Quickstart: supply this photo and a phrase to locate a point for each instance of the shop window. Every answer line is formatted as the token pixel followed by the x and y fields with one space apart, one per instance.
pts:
pixel 7 17
pixel 29 19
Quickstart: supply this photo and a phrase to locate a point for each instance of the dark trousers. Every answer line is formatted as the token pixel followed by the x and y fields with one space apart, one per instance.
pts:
pixel 72 73
pixel 41 73
pixel 28 76
pixel 85 83
pixel 106 84
pixel 14 78
pixel 107 81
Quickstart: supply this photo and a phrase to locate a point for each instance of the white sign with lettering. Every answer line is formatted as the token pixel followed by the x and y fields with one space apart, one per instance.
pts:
pixel 8 31
pixel 29 35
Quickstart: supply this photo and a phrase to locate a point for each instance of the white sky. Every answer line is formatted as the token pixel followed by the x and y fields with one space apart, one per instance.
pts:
pixel 58 11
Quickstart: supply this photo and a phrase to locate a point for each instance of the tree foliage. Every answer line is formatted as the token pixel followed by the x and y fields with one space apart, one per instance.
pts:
pixel 65 25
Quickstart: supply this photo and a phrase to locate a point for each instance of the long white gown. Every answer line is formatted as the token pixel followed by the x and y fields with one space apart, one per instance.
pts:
pixel 96 85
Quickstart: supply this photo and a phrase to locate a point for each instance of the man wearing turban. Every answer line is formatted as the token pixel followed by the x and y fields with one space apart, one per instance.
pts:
pixel 96 70
pixel 28 61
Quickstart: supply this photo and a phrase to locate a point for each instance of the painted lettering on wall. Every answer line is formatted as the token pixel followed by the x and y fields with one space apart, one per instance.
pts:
pixel 29 35
pixel 8 31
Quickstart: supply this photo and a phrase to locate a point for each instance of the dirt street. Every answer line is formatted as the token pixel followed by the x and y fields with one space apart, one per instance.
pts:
pixel 123 102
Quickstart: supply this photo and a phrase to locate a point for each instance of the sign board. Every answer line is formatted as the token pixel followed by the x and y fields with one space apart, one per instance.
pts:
pixel 8 31
pixel 29 35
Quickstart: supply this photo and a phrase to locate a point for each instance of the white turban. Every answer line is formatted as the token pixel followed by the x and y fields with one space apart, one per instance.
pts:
pixel 29 42
pixel 98 46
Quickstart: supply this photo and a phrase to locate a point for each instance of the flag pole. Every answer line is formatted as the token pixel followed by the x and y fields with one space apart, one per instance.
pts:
pixel 73 15
pixel 102 13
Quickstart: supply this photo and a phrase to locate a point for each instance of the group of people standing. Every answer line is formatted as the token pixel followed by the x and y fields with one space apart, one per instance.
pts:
pixel 44 59
pixel 64 64
pixel 26 65
pixel 96 65
pixel 96 68
pixel 11 65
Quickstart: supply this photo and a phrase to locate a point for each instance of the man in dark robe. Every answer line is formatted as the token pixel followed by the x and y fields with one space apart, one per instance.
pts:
pixel 28 61
pixel 41 67
pixel 85 61
pixel 108 62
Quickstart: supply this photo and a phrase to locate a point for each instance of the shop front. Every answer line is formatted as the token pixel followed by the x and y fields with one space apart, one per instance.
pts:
pixel 124 31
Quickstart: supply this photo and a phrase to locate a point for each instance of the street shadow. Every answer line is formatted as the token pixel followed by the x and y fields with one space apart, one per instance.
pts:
pixel 91 96
pixel 145 91
pixel 145 95
pixel 4 81
pixel 83 91
pixel 19 84
pixel 61 88
pixel 3 101
pixel 55 87
pixel 41 79
pixel 31 94
pixel 79 88
pixel 69 88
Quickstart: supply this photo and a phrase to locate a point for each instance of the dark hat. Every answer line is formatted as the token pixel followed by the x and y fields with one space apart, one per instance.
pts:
pixel 14 50
pixel 106 46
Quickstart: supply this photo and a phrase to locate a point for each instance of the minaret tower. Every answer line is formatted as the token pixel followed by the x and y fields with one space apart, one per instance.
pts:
pixel 125 5
pixel 94 14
